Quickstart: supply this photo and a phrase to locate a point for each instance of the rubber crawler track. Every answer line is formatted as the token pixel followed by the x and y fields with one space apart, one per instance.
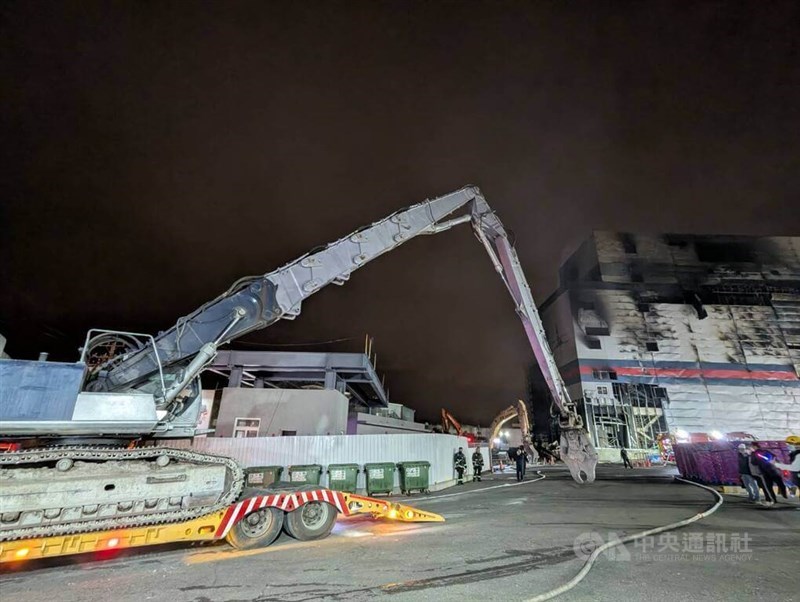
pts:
pixel 105 454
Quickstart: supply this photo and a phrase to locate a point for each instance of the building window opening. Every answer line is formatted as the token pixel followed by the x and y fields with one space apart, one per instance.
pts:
pixel 604 374
pixel 651 346
pixel 593 343
pixel 628 243
pixel 676 241
pixel 246 427
pixel 725 252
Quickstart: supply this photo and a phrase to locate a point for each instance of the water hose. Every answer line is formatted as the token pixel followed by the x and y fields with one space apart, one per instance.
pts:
pixel 587 566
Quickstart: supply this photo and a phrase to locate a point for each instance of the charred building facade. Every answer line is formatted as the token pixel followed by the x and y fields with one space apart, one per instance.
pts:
pixel 677 333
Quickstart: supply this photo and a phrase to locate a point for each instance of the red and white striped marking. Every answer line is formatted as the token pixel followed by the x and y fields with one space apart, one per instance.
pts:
pixel 283 501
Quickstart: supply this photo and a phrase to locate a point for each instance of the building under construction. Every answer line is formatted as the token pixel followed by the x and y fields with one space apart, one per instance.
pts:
pixel 677 333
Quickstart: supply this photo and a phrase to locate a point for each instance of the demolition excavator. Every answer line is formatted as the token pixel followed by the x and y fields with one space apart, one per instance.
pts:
pixel 519 411
pixel 450 422
pixel 80 435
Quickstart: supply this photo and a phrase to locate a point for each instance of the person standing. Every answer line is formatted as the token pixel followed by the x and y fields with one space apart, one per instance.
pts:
pixel 626 462
pixel 748 481
pixel 522 460
pixel 460 461
pixel 772 476
pixel 757 466
pixel 477 464
pixel 793 467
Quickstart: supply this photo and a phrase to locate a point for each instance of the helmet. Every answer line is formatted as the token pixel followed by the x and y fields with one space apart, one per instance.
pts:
pixel 793 440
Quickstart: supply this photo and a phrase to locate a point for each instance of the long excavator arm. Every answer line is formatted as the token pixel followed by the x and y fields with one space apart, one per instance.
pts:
pixel 520 411
pixel 255 302
pixel 449 420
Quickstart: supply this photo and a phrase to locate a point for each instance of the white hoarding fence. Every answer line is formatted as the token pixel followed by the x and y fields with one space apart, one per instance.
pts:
pixel 340 449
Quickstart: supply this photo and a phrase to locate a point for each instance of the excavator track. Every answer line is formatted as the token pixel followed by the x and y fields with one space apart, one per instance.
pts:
pixel 16 523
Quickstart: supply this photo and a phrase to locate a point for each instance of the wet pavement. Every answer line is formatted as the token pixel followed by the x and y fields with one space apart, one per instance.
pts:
pixel 502 540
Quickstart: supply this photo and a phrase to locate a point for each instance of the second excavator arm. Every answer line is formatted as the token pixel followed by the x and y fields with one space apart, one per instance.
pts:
pixel 449 420
pixel 520 411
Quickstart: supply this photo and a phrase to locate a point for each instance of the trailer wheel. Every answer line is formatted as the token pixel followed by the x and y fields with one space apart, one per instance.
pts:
pixel 256 530
pixel 310 521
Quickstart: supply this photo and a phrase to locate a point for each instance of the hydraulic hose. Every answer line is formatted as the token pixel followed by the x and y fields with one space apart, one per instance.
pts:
pixel 587 566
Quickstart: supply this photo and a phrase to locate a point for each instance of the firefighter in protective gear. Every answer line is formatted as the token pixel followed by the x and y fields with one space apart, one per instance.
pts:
pixel 477 464
pixel 793 467
pixel 460 461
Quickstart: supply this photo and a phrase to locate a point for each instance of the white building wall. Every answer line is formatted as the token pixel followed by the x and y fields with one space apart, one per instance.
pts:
pixel 738 369
pixel 371 424
pixel 308 412
pixel 730 372
pixel 286 451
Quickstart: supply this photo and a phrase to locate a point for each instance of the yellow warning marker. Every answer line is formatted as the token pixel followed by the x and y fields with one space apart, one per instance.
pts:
pixel 357 504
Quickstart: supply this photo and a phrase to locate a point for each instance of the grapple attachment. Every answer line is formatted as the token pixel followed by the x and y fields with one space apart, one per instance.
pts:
pixel 578 453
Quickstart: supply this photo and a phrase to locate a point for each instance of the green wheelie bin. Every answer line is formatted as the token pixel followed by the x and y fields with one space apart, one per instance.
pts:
pixel 343 477
pixel 380 477
pixel 261 476
pixel 414 476
pixel 305 474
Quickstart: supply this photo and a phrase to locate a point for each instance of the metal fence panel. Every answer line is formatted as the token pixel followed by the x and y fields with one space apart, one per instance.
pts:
pixel 338 449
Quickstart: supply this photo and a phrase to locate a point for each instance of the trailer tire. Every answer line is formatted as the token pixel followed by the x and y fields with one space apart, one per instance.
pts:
pixel 313 520
pixel 256 530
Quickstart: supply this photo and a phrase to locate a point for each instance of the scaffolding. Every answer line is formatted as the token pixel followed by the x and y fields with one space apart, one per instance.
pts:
pixel 632 416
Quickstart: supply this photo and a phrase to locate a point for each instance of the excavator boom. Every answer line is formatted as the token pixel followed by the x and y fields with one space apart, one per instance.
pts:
pixel 449 420
pixel 520 411
pixel 258 301
pixel 160 374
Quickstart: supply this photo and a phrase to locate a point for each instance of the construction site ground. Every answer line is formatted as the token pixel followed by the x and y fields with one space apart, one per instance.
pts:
pixel 502 541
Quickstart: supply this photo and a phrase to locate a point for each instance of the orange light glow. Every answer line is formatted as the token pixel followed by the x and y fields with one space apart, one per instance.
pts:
pixel 22 552
pixel 409 514
pixel 113 542
pixel 392 513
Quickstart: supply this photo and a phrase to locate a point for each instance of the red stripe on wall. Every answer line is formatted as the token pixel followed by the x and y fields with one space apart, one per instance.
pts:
pixel 694 373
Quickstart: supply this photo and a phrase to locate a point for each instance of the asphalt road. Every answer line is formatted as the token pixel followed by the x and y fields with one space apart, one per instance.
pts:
pixel 501 541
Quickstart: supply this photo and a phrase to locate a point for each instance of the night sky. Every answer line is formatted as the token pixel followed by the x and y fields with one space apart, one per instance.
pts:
pixel 152 153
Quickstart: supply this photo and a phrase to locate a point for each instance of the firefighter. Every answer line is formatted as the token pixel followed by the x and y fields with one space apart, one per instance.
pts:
pixel 460 461
pixel 793 441
pixel 626 462
pixel 522 460
pixel 477 464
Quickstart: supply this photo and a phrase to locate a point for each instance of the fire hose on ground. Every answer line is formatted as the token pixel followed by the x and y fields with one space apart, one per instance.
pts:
pixel 587 566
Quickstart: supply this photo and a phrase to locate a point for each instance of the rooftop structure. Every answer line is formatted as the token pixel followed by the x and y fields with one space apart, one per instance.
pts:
pixel 352 374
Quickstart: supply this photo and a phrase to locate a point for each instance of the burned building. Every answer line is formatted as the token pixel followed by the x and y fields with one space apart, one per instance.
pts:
pixel 677 333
